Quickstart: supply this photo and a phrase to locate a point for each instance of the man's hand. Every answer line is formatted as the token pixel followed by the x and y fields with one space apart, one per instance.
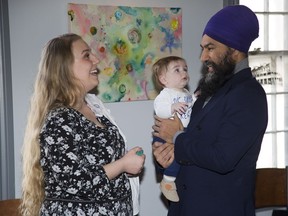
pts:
pixel 166 128
pixel 163 153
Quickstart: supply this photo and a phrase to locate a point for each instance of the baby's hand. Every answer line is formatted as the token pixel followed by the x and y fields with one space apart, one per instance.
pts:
pixel 197 93
pixel 179 107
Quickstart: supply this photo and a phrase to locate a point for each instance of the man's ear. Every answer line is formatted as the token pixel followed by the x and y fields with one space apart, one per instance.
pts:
pixel 235 52
pixel 238 55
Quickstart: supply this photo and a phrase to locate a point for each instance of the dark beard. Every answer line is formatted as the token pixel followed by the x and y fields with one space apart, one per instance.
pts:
pixel 210 83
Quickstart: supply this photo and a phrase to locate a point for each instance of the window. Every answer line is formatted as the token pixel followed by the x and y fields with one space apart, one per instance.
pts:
pixel 269 62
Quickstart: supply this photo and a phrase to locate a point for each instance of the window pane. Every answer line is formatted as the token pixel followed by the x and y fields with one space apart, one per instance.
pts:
pixel 285 115
pixel 269 102
pixel 284 72
pixel 280 111
pixel 276 5
pixel 280 148
pixel 276 33
pixel 259 6
pixel 275 75
pixel 272 152
pixel 265 158
pixel 258 44
pixel 268 68
pixel 277 110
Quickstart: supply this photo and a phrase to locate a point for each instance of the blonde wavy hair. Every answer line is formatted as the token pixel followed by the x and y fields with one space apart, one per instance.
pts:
pixel 55 86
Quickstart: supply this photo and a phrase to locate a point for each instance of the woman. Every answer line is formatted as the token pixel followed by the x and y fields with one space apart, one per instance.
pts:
pixel 74 157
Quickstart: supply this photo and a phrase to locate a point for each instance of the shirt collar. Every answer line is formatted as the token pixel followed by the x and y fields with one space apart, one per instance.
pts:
pixel 243 64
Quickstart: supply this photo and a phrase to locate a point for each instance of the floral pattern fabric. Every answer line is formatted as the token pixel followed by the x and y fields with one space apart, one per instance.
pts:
pixel 73 152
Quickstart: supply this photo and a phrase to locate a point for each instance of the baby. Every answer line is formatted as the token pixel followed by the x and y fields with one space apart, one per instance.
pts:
pixel 170 75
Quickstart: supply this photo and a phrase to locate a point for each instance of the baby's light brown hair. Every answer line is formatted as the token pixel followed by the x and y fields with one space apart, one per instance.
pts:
pixel 160 67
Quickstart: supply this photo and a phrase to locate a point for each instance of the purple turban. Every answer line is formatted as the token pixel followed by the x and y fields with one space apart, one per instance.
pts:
pixel 235 26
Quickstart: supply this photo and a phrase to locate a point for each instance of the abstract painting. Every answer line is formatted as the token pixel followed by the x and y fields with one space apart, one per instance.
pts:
pixel 127 41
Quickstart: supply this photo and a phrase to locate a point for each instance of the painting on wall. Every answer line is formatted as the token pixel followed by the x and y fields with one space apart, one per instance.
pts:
pixel 127 41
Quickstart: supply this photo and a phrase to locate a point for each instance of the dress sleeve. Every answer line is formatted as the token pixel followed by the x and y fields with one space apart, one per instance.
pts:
pixel 66 165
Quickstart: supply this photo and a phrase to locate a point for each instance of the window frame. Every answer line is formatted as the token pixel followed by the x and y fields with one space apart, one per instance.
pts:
pixel 274 131
pixel 7 167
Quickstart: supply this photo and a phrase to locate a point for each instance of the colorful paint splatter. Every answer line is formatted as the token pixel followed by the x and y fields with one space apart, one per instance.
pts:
pixel 127 40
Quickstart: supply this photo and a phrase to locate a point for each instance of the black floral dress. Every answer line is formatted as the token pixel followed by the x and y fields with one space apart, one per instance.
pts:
pixel 73 152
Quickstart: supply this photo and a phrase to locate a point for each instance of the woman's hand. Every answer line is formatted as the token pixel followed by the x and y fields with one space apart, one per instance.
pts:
pixel 131 163
pixel 163 153
pixel 134 161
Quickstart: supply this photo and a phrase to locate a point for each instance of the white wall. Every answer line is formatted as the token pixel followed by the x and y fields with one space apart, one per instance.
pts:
pixel 34 22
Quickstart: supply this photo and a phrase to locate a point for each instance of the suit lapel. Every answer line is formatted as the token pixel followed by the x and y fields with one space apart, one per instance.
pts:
pixel 238 78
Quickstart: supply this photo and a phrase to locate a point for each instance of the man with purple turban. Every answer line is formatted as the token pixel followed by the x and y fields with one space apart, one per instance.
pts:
pixel 219 149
